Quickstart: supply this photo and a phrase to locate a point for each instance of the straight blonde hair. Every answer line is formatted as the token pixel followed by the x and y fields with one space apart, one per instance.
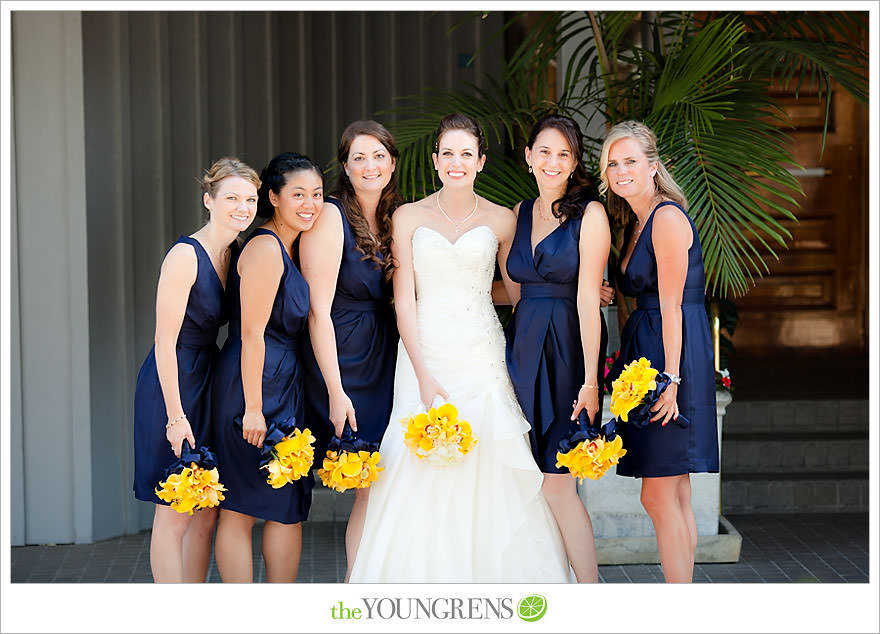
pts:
pixel 618 208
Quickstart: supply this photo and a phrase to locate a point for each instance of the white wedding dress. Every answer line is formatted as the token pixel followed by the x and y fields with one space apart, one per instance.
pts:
pixel 483 519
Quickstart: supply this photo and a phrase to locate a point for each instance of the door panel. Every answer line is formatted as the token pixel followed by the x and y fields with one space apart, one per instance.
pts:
pixel 814 299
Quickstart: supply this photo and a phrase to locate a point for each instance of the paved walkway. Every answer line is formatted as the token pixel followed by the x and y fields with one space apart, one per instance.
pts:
pixel 830 548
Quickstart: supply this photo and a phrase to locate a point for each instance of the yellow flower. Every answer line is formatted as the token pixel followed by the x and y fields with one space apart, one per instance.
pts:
pixel 416 434
pixel 297 442
pixel 439 435
pixel 591 459
pixel 192 488
pixel 350 470
pixel 628 390
pixel 444 414
pixel 294 456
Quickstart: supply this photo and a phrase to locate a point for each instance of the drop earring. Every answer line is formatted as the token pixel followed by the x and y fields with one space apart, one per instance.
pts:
pixel 530 169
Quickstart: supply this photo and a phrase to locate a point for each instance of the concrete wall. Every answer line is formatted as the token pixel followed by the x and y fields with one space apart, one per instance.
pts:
pixel 52 498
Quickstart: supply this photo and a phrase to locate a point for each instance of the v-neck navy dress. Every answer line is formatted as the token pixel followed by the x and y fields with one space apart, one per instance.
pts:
pixel 545 357
pixel 238 461
pixel 656 451
pixel 366 346
pixel 196 352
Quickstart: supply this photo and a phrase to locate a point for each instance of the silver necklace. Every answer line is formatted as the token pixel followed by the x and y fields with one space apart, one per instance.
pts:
pixel 457 226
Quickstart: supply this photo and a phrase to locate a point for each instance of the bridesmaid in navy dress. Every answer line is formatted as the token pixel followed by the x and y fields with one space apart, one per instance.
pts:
pixel 172 396
pixel 345 258
pixel 662 266
pixel 259 376
pixel 557 335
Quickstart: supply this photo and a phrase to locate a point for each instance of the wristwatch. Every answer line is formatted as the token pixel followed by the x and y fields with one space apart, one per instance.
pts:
pixel 673 377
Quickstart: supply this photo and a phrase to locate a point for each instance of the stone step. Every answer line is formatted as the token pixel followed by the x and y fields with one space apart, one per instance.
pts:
pixel 794 452
pixel 794 492
pixel 826 416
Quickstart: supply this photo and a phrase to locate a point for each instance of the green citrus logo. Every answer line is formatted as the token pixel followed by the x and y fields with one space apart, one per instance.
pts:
pixel 532 608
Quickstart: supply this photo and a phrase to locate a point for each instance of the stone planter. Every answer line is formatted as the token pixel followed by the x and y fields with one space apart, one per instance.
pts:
pixel 624 532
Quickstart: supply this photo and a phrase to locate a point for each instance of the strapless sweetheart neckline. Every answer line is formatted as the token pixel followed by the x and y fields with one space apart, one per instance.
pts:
pixel 447 240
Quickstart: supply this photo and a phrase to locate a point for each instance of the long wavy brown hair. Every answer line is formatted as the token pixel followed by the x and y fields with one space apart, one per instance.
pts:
pixel 388 202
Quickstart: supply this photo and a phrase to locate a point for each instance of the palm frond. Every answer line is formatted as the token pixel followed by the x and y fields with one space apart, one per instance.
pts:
pixel 703 86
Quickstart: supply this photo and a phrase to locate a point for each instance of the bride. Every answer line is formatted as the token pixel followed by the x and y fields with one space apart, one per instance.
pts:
pixel 483 519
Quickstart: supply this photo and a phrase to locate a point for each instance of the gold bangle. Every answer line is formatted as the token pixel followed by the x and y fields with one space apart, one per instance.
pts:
pixel 595 387
pixel 171 423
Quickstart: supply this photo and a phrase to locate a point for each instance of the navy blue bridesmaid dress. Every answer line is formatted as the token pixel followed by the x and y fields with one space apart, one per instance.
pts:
pixel 545 357
pixel 238 460
pixel 656 451
pixel 206 311
pixel 366 346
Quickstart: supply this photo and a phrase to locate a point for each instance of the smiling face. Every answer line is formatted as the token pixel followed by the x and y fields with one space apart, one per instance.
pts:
pixel 551 158
pixel 629 173
pixel 369 165
pixel 233 204
pixel 457 159
pixel 300 200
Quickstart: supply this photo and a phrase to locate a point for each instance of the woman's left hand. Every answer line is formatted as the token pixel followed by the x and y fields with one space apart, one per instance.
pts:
pixel 587 398
pixel 606 294
pixel 666 407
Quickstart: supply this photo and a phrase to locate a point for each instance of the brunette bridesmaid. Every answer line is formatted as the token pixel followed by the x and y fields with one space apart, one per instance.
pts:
pixel 349 366
pixel 557 335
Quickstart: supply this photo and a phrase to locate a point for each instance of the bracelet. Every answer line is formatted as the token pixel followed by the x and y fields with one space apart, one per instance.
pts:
pixel 594 387
pixel 673 377
pixel 171 423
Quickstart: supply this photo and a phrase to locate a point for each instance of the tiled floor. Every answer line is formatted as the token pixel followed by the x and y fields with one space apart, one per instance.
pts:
pixel 830 548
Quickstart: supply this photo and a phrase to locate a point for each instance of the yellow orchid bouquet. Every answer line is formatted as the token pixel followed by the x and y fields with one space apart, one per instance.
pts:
pixel 287 453
pixel 439 436
pixel 590 451
pixel 350 462
pixel 636 390
pixel 193 482
pixel 292 458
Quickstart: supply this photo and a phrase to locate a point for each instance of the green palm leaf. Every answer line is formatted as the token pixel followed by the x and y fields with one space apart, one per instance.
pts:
pixel 702 86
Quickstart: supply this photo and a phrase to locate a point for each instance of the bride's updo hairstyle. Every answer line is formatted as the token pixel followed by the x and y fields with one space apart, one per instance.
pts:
pixel 579 187
pixel 459 121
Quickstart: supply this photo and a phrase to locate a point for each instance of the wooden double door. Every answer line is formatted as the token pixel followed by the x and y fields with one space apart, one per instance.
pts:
pixel 814 301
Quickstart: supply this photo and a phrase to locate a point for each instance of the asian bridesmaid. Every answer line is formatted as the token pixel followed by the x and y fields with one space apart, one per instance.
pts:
pixel 259 375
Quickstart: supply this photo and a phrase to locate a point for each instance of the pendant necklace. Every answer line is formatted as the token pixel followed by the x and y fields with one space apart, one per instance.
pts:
pixel 457 226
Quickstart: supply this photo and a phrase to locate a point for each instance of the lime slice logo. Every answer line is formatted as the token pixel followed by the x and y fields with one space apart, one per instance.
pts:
pixel 532 608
